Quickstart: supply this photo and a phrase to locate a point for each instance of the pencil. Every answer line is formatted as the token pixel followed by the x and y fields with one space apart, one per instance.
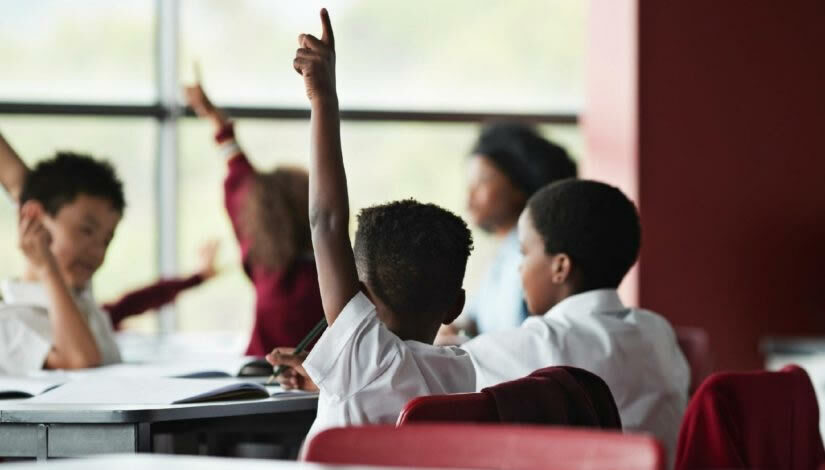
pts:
pixel 309 338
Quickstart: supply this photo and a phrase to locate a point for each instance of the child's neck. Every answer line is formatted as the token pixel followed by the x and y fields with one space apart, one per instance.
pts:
pixel 425 338
pixel 504 229
pixel 426 335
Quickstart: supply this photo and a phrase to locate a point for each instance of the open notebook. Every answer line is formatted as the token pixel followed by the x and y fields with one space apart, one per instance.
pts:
pixel 24 387
pixel 150 391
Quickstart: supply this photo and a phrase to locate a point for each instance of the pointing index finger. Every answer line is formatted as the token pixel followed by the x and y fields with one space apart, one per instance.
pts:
pixel 327 36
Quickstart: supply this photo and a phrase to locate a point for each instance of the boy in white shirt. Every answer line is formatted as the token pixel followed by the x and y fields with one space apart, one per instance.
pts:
pixel 70 206
pixel 579 238
pixel 385 299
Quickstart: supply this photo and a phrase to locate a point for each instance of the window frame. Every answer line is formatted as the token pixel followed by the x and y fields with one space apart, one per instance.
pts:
pixel 167 111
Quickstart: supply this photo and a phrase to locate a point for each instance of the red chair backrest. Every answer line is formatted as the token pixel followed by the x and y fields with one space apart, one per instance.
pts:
pixel 752 420
pixel 559 396
pixel 457 407
pixel 485 447
pixel 695 345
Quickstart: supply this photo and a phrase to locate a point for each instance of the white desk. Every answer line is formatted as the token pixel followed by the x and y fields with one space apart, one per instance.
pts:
pixel 62 430
pixel 164 462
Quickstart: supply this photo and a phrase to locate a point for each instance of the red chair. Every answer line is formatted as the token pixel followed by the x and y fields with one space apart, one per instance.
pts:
pixel 457 407
pixel 560 396
pixel 695 345
pixel 752 420
pixel 485 447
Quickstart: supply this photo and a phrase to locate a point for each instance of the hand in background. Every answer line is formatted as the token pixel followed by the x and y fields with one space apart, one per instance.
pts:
pixel 208 253
pixel 203 107
pixel 35 240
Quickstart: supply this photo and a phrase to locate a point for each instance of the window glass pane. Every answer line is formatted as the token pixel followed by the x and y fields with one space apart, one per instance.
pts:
pixel 82 50
pixel 385 161
pixel 496 55
pixel 129 144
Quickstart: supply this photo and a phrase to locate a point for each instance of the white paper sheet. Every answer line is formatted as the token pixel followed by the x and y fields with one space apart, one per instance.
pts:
pixel 138 390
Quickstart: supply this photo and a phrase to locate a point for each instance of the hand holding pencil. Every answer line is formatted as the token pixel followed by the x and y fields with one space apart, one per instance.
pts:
pixel 287 362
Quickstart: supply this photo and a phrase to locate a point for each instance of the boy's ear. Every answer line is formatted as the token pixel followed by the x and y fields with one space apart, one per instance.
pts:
pixel 561 268
pixel 457 308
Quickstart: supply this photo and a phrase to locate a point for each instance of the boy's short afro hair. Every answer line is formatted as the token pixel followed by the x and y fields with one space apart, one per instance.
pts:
pixel 412 255
pixel 60 180
pixel 593 223
pixel 527 158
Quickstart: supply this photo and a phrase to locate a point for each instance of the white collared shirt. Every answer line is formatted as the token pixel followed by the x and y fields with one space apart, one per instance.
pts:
pixel 26 330
pixel 498 303
pixel 634 351
pixel 367 374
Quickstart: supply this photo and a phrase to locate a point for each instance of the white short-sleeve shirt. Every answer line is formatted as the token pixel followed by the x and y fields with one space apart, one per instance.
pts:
pixel 366 374
pixel 26 330
pixel 634 351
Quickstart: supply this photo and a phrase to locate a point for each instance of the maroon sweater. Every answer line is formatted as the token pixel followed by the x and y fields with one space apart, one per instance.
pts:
pixel 288 301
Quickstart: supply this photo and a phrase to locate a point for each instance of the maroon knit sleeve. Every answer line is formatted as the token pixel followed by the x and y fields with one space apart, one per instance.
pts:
pixel 237 184
pixel 147 298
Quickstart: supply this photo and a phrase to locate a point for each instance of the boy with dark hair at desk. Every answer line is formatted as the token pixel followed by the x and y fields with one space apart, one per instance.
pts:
pixel 579 238
pixel 385 300
pixel 70 206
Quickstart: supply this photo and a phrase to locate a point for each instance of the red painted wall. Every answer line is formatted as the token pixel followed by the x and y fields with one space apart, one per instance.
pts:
pixel 730 166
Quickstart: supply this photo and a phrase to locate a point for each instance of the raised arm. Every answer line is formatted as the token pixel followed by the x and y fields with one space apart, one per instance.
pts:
pixel 73 345
pixel 240 171
pixel 328 200
pixel 12 169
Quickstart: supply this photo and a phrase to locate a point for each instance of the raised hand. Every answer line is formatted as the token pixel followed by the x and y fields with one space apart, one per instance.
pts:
pixel 203 107
pixel 315 61
pixel 208 252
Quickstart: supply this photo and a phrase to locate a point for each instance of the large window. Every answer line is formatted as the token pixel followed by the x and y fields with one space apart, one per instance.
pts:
pixel 493 55
pixel 93 51
pixel 416 79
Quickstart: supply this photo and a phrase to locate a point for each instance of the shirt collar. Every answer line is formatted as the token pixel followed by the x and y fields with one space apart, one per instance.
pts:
pixel 594 301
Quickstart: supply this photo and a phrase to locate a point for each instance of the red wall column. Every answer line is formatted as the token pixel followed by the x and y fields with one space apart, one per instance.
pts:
pixel 729 162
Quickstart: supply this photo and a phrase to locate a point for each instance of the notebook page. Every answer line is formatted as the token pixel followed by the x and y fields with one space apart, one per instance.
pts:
pixel 139 390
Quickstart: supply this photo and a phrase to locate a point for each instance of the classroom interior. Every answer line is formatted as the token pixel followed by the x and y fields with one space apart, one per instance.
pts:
pixel 708 115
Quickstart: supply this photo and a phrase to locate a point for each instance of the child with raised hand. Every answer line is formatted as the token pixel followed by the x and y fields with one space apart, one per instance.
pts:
pixel 579 238
pixel 268 211
pixel 385 298
pixel 70 206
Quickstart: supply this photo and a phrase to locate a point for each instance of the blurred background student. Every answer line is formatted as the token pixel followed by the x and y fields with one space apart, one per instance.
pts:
pixel 269 214
pixel 509 162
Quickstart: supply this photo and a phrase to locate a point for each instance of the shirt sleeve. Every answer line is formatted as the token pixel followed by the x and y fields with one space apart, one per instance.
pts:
pixel 353 352
pixel 513 353
pixel 22 348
